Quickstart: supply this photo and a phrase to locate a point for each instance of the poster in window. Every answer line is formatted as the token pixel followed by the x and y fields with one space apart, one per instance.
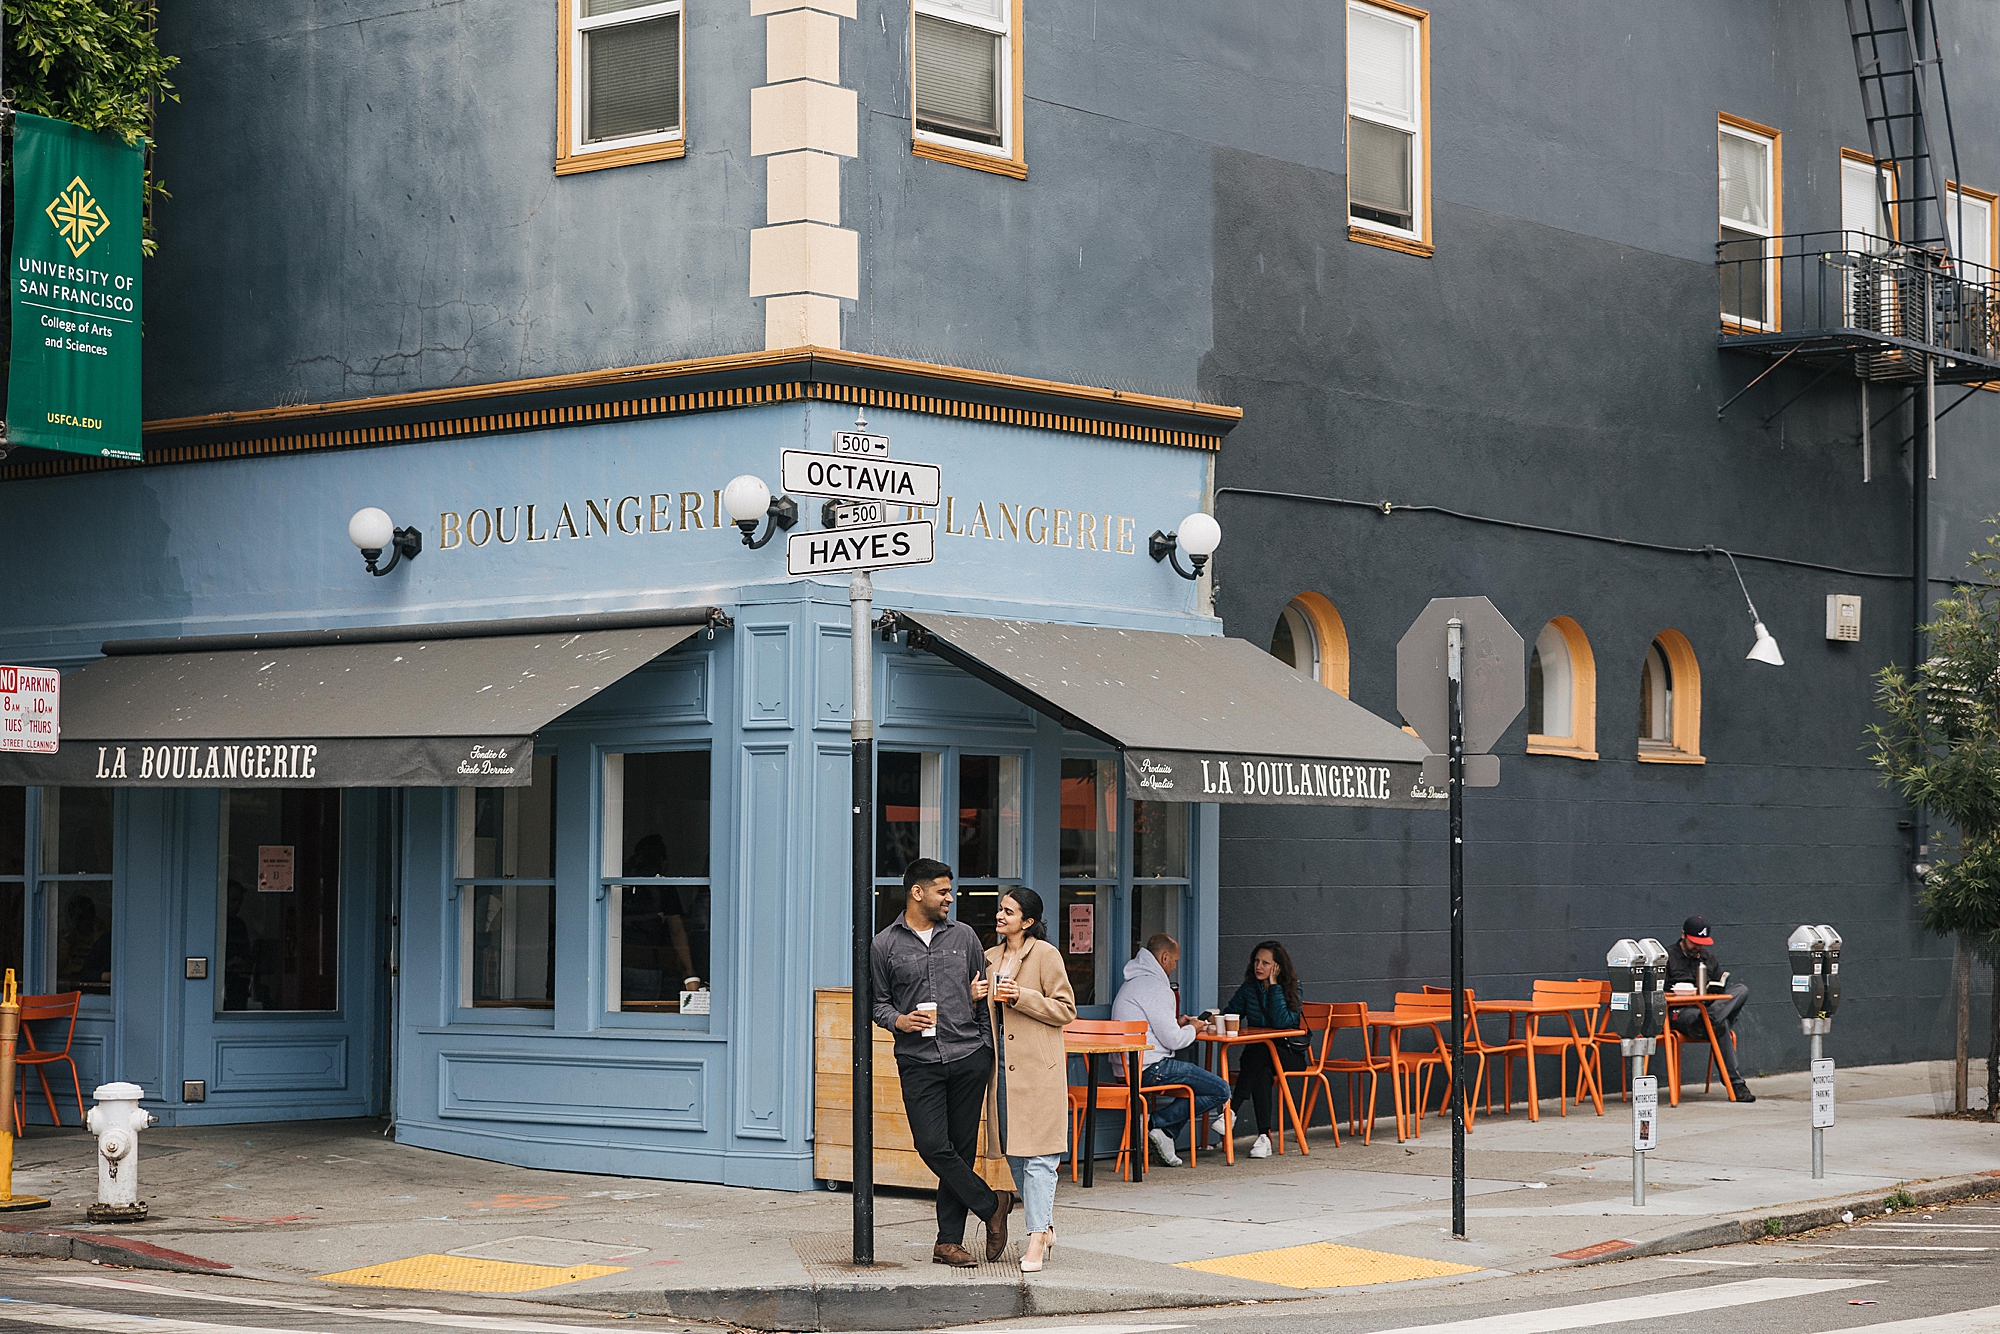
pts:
pixel 1082 928
pixel 274 868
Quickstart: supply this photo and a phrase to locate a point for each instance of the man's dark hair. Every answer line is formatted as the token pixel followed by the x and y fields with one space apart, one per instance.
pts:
pixel 924 870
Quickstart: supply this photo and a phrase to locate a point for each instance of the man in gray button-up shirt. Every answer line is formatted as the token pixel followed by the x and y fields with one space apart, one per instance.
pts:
pixel 923 957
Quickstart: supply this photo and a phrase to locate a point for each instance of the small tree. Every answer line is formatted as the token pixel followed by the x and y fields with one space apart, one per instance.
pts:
pixel 1940 748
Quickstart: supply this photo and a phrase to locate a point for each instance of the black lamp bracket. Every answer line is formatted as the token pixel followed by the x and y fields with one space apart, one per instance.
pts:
pixel 783 513
pixel 1166 547
pixel 407 544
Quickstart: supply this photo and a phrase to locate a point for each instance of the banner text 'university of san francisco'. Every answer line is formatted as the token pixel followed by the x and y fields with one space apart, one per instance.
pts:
pixel 73 381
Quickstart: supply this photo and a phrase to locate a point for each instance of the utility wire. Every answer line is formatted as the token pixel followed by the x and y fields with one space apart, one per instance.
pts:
pixel 1385 508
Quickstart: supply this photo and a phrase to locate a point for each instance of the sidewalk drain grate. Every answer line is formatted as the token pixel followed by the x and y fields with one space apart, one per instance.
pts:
pixel 1325 1265
pixel 458 1273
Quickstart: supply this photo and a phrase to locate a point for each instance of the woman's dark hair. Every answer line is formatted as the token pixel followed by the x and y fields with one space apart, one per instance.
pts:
pixel 1288 976
pixel 1030 904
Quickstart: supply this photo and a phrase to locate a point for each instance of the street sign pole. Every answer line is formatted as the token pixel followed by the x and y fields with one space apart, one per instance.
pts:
pixel 861 728
pixel 1455 677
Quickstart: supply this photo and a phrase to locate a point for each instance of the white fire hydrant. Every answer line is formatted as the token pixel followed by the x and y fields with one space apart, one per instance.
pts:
pixel 116 1120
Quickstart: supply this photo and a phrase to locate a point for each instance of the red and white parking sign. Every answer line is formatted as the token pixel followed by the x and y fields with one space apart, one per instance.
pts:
pixel 28 708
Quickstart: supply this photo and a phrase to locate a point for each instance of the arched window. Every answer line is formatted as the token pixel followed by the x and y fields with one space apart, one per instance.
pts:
pixel 1562 692
pixel 1311 637
pixel 1670 702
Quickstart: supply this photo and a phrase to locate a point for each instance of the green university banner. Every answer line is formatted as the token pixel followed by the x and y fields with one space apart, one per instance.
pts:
pixel 73 383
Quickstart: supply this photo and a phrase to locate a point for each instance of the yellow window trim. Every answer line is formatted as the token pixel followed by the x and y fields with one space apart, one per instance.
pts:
pixel 1581 743
pixel 1687 703
pixel 568 162
pixel 1015 164
pixel 1366 235
pixel 1777 139
pixel 1331 633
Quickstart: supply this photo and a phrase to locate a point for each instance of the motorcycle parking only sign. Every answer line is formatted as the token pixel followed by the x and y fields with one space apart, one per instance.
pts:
pixel 29 717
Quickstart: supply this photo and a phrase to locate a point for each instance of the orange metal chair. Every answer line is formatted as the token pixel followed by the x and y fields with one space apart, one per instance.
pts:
pixel 1340 1017
pixel 1478 1048
pixel 1417 1065
pixel 1601 1037
pixel 59 1008
pixel 1583 995
pixel 1316 1018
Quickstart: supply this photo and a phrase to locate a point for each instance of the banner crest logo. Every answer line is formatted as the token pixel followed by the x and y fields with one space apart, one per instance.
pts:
pixel 78 217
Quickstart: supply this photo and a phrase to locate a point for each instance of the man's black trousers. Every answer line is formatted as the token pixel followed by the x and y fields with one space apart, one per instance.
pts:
pixel 943 1102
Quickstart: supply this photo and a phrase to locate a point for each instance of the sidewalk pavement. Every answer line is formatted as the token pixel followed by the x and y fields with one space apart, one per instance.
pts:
pixel 337 1201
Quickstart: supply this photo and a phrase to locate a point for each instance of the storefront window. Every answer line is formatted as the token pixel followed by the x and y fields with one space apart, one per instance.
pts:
pixel 280 872
pixel 13 868
pixel 1159 871
pixel 1089 870
pixel 76 884
pixel 909 810
pixel 989 838
pixel 656 863
pixel 507 892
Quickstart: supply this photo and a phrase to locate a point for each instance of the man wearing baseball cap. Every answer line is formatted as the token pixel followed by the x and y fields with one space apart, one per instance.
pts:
pixel 1691 963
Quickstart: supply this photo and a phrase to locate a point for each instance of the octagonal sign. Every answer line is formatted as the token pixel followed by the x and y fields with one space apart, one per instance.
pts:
pixel 1495 674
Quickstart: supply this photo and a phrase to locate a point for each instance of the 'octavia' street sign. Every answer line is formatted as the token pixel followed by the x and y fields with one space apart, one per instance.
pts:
pixel 838 550
pixel 808 473
pixel 29 717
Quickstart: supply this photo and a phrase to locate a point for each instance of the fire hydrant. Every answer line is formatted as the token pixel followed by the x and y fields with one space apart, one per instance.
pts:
pixel 116 1121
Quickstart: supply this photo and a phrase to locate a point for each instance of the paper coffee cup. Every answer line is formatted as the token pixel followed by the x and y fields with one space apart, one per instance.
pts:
pixel 929 1008
pixel 1231 1023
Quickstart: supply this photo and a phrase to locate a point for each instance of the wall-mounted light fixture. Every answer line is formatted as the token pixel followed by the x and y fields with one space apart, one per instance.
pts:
pixel 1766 648
pixel 372 529
pixel 1199 536
pixel 747 499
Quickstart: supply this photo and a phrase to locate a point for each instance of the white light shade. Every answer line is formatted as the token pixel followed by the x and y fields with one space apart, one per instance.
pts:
pixel 746 498
pixel 1199 535
pixel 371 529
pixel 1765 649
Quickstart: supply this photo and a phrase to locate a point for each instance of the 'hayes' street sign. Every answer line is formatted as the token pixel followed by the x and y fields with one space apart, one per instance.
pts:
pixel 837 550
pixel 807 473
pixel 29 697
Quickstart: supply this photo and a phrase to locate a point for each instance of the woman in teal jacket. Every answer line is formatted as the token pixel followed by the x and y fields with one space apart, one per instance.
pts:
pixel 1268 998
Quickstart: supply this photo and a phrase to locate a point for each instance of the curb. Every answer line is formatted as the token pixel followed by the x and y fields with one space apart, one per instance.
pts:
pixel 56 1243
pixel 1799 1218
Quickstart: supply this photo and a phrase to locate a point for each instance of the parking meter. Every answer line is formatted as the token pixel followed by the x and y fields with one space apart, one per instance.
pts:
pixel 1830 942
pixel 1815 958
pixel 1628 989
pixel 1654 958
pixel 1807 959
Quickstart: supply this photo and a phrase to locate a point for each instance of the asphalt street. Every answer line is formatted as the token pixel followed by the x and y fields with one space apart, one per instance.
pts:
pixel 1913 1272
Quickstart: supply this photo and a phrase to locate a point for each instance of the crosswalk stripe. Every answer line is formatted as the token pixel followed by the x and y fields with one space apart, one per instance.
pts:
pixel 1885 1246
pixel 112 1322
pixel 1985 1320
pixel 433 1319
pixel 1653 1306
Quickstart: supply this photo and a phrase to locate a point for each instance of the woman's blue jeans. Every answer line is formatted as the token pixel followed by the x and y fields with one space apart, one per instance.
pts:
pixel 1036 1178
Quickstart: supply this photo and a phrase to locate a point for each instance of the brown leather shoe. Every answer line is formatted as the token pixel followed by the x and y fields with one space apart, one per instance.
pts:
pixel 944 1253
pixel 996 1226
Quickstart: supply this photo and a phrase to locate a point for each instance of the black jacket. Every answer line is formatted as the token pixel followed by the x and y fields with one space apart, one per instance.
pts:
pixel 1681 963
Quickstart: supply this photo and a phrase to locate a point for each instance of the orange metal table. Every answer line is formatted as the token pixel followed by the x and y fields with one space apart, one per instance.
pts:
pixel 1218 1049
pixel 1528 1009
pixel 1090 1047
pixel 1683 1001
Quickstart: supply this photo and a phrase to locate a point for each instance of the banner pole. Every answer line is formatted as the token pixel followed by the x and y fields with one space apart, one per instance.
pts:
pixel 861 728
pixel 1455 675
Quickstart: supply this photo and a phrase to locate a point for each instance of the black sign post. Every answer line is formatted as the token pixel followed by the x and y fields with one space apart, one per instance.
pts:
pixel 1460 682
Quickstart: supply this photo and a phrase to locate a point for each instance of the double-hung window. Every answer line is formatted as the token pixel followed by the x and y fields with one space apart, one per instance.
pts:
pixel 1388 112
pixel 1968 221
pixel 655 880
pixel 622 66
pixel 1864 214
pixel 76 869
pixel 1747 183
pixel 506 885
pixel 965 68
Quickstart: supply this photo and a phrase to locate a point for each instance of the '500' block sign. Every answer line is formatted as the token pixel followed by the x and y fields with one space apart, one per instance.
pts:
pixel 810 474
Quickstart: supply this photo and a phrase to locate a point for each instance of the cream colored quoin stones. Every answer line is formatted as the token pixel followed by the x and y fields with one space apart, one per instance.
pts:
pixel 802 122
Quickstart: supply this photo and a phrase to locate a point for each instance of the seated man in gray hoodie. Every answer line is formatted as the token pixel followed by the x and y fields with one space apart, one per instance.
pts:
pixel 1149 995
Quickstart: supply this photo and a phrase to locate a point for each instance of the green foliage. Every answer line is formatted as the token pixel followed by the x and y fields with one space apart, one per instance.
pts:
pixel 1773 1226
pixel 1940 747
pixel 1902 1199
pixel 94 63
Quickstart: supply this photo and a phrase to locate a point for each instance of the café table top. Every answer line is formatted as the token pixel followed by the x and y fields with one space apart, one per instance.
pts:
pixel 1408 1018
pixel 1091 1044
pixel 1535 1007
pixel 1250 1035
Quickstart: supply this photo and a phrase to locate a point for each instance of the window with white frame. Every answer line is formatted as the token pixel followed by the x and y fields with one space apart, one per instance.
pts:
pixel 655 877
pixel 1968 221
pixel 1864 215
pixel 1386 109
pixel 622 64
pixel 909 822
pixel 989 838
pixel 1746 189
pixel 962 57
pixel 506 885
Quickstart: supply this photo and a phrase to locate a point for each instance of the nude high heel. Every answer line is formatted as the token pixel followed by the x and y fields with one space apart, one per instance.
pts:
pixel 1048 1249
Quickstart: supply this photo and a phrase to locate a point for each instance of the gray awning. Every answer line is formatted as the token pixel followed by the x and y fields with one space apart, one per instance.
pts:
pixel 1199 717
pixel 432 706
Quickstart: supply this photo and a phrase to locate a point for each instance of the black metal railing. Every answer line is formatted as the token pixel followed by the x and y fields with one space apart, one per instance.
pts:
pixel 1892 305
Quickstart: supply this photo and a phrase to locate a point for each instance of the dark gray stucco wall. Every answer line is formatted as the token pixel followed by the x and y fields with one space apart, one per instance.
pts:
pixel 1555 363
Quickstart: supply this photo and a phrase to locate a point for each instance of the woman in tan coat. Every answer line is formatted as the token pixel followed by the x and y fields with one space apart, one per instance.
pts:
pixel 1027 1104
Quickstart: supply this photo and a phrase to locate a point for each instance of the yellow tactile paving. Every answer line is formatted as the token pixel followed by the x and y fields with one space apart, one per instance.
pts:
pixel 458 1273
pixel 1324 1265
